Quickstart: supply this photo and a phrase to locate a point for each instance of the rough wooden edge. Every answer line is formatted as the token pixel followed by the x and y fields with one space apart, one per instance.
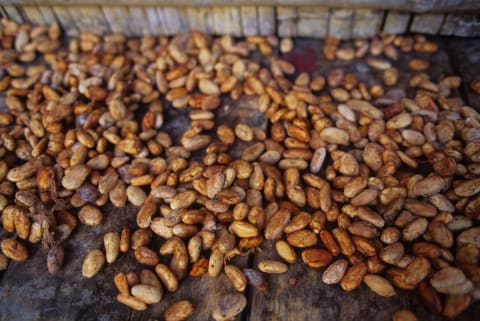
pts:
pixel 13 13
pixel 66 20
pixel 266 20
pixel 428 23
pixel 341 22
pixel 396 22
pixel 366 23
pixel 48 14
pixel 138 21
pixel 34 15
pixel 313 22
pixel 117 18
pixel 285 21
pixel 408 5
pixel 249 20
pixel 90 19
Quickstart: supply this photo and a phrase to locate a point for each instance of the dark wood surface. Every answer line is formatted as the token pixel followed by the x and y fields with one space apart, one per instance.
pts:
pixel 28 292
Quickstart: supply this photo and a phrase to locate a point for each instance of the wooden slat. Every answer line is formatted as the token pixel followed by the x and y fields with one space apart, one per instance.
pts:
pixel 427 23
pixel 249 20
pixel 174 20
pixel 162 20
pixel 232 14
pixel 286 20
pixel 13 13
pixel 34 15
pixel 312 22
pixel 138 21
pixel 153 20
pixel 66 21
pixel 90 19
pixel 403 5
pixel 201 19
pixel 340 25
pixel 118 19
pixel 266 20
pixel 226 20
pixel 366 23
pixel 396 22
pixel 47 13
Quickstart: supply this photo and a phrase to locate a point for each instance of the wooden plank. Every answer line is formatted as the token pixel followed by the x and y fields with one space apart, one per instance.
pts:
pixel 396 22
pixel 174 20
pixel 162 20
pixel 66 21
pixel 138 21
pixel 461 25
pixel 153 21
pixel 118 19
pixel 90 19
pixel 427 23
pixel 48 15
pixel 232 16
pixel 13 13
pixel 404 5
pixel 249 20
pixel 226 20
pixel 201 19
pixel 312 22
pixel 286 20
pixel 34 15
pixel 366 23
pixel 341 22
pixel 266 19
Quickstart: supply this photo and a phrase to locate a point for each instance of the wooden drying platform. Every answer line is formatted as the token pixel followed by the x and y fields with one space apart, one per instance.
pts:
pixel 29 293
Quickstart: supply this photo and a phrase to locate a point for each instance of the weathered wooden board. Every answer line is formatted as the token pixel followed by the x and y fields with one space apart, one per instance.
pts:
pixel 117 18
pixel 408 5
pixel 66 21
pixel 13 13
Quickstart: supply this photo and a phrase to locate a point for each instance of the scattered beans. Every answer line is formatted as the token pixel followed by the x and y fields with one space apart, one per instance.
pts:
pixel 387 179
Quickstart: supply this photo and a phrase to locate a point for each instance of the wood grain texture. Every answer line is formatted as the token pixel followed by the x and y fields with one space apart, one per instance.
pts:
pixel 174 20
pixel 34 15
pixel 286 21
pixel 117 18
pixel 249 20
pixel 138 21
pixel 13 13
pixel 427 23
pixel 48 14
pixel 406 5
pixel 90 19
pixel 266 20
pixel 153 20
pixel 66 21
pixel 396 22
pixel 312 22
